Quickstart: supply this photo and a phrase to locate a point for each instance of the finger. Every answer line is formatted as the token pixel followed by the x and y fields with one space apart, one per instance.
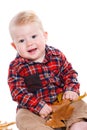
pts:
pixel 43 116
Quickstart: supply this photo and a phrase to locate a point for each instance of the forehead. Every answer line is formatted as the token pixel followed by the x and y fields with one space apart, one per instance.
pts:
pixel 26 29
pixel 28 26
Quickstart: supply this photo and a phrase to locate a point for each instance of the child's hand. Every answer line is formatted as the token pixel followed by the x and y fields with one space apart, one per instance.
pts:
pixel 70 95
pixel 45 111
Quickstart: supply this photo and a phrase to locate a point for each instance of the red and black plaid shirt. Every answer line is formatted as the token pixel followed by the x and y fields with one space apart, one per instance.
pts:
pixel 34 84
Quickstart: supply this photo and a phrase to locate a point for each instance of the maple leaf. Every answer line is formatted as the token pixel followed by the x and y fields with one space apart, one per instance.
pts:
pixel 61 112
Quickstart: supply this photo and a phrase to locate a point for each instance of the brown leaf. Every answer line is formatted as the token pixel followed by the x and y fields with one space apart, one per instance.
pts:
pixel 61 112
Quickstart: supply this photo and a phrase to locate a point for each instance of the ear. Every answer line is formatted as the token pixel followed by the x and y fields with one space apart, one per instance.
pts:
pixel 46 35
pixel 13 45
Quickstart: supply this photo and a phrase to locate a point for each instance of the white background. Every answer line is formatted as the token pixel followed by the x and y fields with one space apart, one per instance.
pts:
pixel 66 24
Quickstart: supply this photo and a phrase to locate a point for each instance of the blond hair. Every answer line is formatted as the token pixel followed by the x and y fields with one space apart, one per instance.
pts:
pixel 23 18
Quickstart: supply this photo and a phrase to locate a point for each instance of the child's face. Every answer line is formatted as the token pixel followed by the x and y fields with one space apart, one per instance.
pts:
pixel 29 41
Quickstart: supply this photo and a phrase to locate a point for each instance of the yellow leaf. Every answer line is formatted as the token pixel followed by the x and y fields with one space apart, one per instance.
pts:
pixel 59 97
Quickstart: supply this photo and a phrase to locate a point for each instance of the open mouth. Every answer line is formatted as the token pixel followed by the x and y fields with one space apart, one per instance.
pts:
pixel 32 50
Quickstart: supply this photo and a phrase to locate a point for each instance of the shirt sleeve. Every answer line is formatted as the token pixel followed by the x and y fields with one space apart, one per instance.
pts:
pixel 20 93
pixel 68 75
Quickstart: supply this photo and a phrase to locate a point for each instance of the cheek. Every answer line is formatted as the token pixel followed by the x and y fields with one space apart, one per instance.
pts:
pixel 20 48
pixel 42 47
pixel 42 42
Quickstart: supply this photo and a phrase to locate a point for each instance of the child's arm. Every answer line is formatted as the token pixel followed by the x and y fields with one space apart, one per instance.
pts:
pixel 45 111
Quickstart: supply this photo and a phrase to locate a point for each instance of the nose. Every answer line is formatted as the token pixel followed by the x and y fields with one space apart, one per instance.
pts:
pixel 29 42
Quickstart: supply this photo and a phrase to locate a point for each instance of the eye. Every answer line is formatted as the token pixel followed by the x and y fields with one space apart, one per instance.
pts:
pixel 34 36
pixel 21 41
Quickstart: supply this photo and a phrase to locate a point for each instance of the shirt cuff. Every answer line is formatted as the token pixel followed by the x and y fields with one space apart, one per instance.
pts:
pixel 39 107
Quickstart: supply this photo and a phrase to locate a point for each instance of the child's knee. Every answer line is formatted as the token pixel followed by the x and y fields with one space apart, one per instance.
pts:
pixel 79 126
